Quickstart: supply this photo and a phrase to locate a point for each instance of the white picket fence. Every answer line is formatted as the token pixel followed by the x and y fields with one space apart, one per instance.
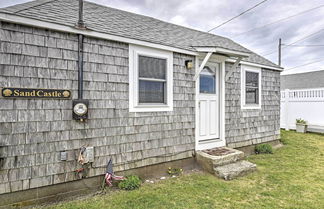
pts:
pixel 307 104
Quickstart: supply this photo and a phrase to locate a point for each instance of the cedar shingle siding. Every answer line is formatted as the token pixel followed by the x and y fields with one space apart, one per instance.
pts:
pixel 34 131
pixel 246 127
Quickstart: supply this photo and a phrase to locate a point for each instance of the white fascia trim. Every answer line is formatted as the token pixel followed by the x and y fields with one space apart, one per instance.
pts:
pixel 134 52
pixel 255 65
pixel 63 28
pixel 222 51
pixel 205 49
pixel 258 70
pixel 231 52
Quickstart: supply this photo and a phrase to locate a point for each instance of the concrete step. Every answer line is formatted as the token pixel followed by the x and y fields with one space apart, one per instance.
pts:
pixel 211 158
pixel 234 170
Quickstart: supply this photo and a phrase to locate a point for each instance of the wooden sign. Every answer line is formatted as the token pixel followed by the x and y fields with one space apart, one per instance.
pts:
pixel 35 93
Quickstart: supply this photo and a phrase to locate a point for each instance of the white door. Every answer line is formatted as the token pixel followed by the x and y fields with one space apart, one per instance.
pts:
pixel 209 106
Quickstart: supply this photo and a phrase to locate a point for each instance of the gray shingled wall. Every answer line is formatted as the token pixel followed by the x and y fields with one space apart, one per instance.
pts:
pixel 34 131
pixel 247 127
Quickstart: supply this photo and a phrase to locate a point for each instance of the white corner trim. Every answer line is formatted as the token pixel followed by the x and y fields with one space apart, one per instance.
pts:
pixel 222 103
pixel 134 52
pixel 245 68
pixel 196 106
pixel 64 28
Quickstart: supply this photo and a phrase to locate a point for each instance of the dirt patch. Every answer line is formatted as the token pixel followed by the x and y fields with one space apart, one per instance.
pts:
pixel 109 190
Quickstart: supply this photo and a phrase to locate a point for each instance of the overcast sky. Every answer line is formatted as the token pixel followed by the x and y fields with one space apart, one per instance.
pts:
pixel 206 14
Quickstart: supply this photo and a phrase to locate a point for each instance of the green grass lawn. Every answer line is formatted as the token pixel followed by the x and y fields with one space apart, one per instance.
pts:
pixel 292 177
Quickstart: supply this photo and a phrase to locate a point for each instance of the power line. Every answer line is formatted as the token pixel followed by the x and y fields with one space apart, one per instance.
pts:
pixel 320 60
pixel 277 21
pixel 314 45
pixel 237 15
pixel 306 37
pixel 303 38
pixel 310 45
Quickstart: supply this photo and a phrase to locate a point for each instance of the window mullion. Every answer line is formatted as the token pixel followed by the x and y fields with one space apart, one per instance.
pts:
pixel 152 79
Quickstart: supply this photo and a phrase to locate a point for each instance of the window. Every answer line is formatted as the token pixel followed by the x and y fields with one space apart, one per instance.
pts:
pixel 207 81
pixel 251 87
pixel 150 80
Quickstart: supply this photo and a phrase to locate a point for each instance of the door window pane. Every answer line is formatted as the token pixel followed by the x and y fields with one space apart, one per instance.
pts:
pixel 151 91
pixel 207 81
pixel 251 87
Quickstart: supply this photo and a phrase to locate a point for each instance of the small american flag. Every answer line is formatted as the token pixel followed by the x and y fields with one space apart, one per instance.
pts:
pixel 110 174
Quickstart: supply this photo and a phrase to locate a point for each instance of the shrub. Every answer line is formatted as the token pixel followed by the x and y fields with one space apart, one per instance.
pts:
pixel 301 121
pixel 175 171
pixel 130 183
pixel 263 149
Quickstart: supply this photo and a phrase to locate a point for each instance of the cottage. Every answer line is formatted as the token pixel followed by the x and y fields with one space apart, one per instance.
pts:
pixel 143 92
pixel 302 80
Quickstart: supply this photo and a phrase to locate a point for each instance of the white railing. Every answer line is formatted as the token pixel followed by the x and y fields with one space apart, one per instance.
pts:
pixel 307 104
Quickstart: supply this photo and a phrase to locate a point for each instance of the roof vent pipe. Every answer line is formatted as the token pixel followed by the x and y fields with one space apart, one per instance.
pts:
pixel 80 21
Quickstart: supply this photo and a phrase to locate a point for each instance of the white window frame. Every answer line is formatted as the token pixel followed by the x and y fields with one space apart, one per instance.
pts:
pixel 134 106
pixel 244 69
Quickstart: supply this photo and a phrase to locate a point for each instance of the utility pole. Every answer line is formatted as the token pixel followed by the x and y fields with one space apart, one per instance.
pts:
pixel 279 52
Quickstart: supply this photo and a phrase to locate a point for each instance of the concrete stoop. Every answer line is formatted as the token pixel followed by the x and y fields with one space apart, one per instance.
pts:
pixel 233 170
pixel 224 162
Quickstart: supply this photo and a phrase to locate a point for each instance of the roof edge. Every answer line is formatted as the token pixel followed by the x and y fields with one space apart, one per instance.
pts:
pixel 22 6
pixel 257 65
pixel 222 50
pixel 17 19
pixel 14 18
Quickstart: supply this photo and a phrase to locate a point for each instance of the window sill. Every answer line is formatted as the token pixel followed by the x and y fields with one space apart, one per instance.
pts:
pixel 251 107
pixel 151 108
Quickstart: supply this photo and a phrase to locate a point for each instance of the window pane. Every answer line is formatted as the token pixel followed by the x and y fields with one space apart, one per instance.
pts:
pixel 252 96
pixel 150 67
pixel 251 87
pixel 151 92
pixel 207 83
pixel 251 79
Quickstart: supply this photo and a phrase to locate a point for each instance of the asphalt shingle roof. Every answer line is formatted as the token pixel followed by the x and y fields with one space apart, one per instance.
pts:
pixel 121 23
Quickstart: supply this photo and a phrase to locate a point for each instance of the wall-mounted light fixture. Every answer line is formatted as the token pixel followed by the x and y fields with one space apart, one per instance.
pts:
pixel 189 64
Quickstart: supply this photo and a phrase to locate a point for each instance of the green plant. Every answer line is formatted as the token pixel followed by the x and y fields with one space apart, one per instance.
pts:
pixel 174 171
pixel 263 149
pixel 301 121
pixel 283 180
pixel 130 183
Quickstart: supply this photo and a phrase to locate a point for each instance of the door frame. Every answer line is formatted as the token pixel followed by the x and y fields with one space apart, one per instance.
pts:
pixel 221 141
